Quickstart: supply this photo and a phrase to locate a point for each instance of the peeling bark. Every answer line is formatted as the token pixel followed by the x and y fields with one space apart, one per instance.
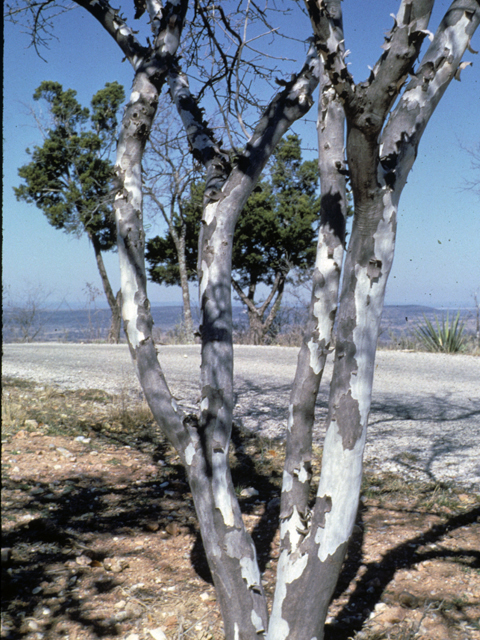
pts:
pixel 289 616
pixel 379 158
pixel 381 147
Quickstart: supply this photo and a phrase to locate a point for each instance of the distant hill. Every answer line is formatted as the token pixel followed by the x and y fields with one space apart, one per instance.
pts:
pixel 77 325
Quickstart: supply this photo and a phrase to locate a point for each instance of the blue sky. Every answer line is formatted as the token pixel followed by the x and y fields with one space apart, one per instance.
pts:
pixel 437 259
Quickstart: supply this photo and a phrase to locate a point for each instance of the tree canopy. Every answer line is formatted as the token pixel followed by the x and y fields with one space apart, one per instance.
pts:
pixel 70 176
pixel 274 234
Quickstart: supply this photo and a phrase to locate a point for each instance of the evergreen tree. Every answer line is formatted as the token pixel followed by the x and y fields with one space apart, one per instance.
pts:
pixel 274 234
pixel 70 176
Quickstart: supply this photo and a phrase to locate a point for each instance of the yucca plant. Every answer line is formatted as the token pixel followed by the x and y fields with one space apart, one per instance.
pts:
pixel 447 337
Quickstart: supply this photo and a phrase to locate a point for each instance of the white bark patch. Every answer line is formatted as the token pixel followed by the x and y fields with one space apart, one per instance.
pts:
pixel 189 454
pixel 257 622
pixel 302 474
pixel 204 404
pixel 327 265
pixel 290 417
pixel 129 289
pixel 250 571
pixel 204 280
pixel 210 211
pixel 314 357
pixel 174 404
pixel 368 315
pixel 292 526
pixel 340 480
pixel 236 632
pixel 122 28
pixel 133 185
pixel 288 570
pixel 287 482
pixel 221 494
pixel 134 96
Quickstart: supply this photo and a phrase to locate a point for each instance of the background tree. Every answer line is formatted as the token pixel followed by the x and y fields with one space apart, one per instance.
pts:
pixel 274 235
pixel 70 176
pixel 169 171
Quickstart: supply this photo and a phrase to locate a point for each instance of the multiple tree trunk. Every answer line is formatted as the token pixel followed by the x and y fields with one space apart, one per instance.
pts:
pixel 383 128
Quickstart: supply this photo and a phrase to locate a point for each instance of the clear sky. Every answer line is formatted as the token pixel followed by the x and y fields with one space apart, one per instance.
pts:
pixel 437 259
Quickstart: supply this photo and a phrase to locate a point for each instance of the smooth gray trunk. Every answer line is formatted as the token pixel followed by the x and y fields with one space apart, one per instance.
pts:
pixel 381 147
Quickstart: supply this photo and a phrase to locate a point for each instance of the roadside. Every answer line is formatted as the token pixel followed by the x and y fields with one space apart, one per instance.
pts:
pixel 424 422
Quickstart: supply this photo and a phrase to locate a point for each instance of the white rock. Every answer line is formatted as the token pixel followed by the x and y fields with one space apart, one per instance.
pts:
pixel 157 634
pixel 248 492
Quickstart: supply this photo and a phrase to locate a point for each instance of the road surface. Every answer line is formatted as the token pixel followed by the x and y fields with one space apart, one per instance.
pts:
pixel 424 422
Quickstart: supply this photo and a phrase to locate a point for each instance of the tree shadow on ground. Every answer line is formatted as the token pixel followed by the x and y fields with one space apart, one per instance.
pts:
pixel 46 548
pixel 378 575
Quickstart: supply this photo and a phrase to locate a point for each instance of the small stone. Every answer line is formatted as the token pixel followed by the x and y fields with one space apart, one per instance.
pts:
pixel 33 625
pixel 152 526
pixel 83 439
pixel 248 492
pixel 133 636
pixel 83 561
pixel 115 565
pixel 37 590
pixel 6 555
pixel 408 600
pixel 172 529
pixel 374 583
pixel 379 607
pixel 133 610
pixel 157 634
pixel 274 503
pixel 120 604
pixel 64 452
pixel 205 596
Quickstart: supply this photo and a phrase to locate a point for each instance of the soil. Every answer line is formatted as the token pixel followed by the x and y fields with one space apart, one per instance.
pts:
pixel 100 538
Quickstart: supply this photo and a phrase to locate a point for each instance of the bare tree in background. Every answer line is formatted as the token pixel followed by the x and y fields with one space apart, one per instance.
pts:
pixel 25 313
pixel 385 118
pixel 169 171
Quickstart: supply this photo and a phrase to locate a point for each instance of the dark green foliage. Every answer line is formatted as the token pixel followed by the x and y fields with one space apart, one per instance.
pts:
pixel 70 176
pixel 275 232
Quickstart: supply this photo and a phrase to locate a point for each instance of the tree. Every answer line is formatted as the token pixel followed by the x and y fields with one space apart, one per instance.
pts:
pixel 70 176
pixel 274 234
pixel 385 119
pixel 169 171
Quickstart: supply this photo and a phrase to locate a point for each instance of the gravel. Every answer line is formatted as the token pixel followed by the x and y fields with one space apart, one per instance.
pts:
pixel 424 422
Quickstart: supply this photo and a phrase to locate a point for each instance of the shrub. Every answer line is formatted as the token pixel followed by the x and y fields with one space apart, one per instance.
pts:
pixel 446 337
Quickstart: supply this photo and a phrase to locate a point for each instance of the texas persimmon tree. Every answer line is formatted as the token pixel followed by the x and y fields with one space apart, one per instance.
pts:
pixel 384 118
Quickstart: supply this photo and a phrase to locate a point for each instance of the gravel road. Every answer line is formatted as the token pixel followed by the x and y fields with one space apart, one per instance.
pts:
pixel 424 422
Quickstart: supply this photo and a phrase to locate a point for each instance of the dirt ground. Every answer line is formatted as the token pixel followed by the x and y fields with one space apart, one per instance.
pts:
pixel 100 539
